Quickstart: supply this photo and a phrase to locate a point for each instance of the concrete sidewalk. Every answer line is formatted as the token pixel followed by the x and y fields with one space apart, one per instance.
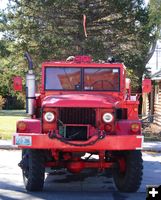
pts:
pixel 7 144
pixel 152 146
pixel 147 146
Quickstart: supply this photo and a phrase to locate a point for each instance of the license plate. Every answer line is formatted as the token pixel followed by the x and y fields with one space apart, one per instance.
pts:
pixel 23 140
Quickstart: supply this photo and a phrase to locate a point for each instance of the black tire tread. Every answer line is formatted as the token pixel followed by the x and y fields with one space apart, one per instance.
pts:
pixel 131 181
pixel 36 175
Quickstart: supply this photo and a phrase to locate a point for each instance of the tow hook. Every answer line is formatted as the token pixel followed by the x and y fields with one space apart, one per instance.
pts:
pixel 51 134
pixel 23 163
pixel 102 134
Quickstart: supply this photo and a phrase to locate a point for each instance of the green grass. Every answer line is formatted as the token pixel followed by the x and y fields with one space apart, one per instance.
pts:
pixel 8 121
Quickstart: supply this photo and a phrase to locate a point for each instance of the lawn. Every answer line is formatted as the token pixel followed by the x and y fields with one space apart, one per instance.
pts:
pixel 8 121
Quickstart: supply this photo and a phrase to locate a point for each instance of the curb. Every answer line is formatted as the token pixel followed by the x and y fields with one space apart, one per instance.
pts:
pixel 8 147
pixel 151 150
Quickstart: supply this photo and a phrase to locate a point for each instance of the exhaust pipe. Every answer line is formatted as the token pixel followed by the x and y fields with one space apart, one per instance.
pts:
pixel 30 87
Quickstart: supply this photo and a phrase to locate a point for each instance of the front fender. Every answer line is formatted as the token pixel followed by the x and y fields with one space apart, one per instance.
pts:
pixel 123 127
pixel 32 126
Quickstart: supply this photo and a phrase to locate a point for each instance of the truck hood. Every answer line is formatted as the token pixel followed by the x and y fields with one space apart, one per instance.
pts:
pixel 80 100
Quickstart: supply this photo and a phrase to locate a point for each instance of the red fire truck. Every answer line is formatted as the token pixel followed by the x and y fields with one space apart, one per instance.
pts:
pixel 83 107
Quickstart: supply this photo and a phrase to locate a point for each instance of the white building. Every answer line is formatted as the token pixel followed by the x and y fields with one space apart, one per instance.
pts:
pixel 152 103
pixel 155 62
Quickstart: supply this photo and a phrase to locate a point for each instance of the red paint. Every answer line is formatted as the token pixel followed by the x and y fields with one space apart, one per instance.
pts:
pixel 82 59
pixel 78 166
pixel 81 100
pixel 108 128
pixel 75 166
pixel 17 83
pixel 125 142
pixel 124 126
pixel 113 136
pixel 32 125
pixel 122 165
pixel 146 86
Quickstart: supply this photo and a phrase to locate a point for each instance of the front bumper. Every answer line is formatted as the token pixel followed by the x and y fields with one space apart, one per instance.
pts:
pixel 42 141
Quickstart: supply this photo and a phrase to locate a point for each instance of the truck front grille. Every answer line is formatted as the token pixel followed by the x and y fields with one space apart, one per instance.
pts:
pixel 77 116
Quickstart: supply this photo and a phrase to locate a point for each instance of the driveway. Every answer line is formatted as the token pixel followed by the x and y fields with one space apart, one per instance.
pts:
pixel 62 185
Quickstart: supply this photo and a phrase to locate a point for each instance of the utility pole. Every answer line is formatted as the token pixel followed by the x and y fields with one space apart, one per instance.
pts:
pixel 158 53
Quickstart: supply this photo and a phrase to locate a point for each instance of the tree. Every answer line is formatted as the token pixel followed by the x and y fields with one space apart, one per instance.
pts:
pixel 52 29
pixel 155 14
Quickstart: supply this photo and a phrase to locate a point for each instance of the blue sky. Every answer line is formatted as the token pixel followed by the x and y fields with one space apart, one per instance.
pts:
pixel 3 3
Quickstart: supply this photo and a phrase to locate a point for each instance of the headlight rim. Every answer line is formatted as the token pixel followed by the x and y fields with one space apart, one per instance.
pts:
pixel 107 121
pixel 53 118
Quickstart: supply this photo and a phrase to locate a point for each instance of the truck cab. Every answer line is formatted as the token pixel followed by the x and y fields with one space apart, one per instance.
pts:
pixel 83 107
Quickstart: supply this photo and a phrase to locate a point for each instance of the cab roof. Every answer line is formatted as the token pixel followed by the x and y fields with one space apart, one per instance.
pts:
pixel 81 61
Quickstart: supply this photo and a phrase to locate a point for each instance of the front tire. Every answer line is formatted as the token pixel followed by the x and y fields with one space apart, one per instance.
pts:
pixel 128 172
pixel 34 169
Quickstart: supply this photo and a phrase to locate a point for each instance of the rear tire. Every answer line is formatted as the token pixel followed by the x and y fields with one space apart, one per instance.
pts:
pixel 34 169
pixel 130 179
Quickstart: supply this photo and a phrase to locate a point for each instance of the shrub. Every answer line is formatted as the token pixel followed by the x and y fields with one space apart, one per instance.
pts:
pixel 2 102
pixel 13 103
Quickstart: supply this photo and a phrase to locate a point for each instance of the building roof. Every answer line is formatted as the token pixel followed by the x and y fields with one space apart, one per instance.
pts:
pixel 156 76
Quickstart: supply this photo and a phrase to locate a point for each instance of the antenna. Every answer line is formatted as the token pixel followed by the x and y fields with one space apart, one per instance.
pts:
pixel 84 25
pixel 85 33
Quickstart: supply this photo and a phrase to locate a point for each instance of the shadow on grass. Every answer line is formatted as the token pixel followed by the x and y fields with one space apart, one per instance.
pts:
pixel 13 113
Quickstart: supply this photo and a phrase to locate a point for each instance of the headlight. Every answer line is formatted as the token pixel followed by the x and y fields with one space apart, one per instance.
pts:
pixel 49 117
pixel 107 117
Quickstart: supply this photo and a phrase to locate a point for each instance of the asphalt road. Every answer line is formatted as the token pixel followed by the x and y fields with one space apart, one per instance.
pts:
pixel 61 185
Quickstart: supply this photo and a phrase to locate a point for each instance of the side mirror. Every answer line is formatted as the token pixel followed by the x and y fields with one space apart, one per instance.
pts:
pixel 17 83
pixel 128 83
pixel 128 88
pixel 146 86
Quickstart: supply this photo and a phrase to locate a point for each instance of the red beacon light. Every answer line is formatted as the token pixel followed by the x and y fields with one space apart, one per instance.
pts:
pixel 146 86
pixel 82 59
pixel 17 83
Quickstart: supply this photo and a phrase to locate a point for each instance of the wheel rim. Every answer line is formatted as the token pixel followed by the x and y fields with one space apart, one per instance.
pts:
pixel 128 171
pixel 122 165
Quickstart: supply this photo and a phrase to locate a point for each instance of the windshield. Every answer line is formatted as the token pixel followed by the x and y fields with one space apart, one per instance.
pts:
pixel 101 79
pixel 62 78
pixel 91 79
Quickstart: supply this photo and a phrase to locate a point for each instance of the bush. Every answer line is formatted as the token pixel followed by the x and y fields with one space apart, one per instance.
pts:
pixel 13 103
pixel 2 102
